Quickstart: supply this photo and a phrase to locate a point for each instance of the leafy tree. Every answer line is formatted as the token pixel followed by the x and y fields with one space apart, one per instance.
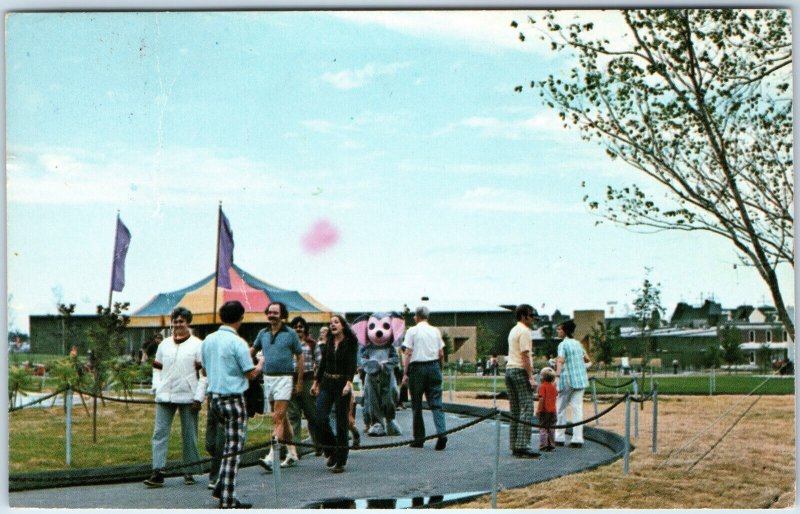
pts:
pixel 18 380
pixel 69 372
pixel 645 307
pixel 448 345
pixel 485 341
pixel 764 358
pixel 602 345
pixel 730 340
pixel 125 373
pixel 699 101
pixel 106 337
pixel 712 357
pixel 65 312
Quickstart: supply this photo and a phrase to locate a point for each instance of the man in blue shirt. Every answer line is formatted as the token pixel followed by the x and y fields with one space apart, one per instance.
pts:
pixel 280 346
pixel 229 366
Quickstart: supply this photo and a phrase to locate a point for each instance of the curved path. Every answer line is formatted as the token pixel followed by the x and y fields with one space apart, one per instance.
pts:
pixel 463 469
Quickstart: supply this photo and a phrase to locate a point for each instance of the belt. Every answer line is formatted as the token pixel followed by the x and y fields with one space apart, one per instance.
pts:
pixel 215 396
pixel 424 362
pixel 332 376
pixel 279 374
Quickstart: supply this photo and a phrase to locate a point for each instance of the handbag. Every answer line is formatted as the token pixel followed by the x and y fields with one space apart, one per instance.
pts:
pixel 254 396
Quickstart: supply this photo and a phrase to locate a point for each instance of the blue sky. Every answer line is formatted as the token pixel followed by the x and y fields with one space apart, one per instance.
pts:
pixel 401 130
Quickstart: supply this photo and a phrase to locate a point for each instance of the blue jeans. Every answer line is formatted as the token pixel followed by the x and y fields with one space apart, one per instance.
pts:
pixel 165 412
pixel 330 396
pixel 426 377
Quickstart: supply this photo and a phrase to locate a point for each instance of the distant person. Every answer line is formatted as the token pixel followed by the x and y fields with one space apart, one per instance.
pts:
pixel 302 403
pixel 333 387
pixel 675 365
pixel 520 382
pixel 229 366
pixel 280 347
pixel 175 380
pixel 546 410
pixel 571 365
pixel 150 347
pixel 422 370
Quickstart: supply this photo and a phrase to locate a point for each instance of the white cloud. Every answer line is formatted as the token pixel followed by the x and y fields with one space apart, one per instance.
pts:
pixel 540 126
pixel 490 199
pixel 181 176
pixel 352 79
pixel 489 31
pixel 484 31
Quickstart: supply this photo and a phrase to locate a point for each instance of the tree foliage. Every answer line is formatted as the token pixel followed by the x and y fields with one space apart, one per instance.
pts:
pixel 647 310
pixel 730 342
pixel 485 341
pixel 106 339
pixel 602 345
pixel 699 101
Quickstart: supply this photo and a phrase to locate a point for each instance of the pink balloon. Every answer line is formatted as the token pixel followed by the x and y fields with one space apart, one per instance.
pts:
pixel 321 236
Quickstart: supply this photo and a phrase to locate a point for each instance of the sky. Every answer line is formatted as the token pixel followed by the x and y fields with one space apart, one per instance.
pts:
pixel 367 158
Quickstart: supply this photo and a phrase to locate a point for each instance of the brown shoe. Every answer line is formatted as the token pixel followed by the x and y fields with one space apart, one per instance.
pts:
pixel 331 461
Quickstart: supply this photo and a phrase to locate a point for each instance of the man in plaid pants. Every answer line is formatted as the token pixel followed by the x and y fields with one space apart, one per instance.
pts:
pixel 520 381
pixel 227 362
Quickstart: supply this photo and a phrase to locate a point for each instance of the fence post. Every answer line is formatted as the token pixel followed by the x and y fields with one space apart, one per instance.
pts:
pixel 276 469
pixel 711 381
pixel 635 410
pixel 496 470
pixel 627 434
pixel 655 417
pixel 68 450
pixel 450 385
pixel 594 400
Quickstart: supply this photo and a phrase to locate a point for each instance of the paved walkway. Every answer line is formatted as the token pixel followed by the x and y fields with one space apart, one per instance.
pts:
pixel 464 467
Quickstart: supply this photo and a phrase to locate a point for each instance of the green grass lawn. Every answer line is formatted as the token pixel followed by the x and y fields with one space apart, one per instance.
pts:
pixel 36 436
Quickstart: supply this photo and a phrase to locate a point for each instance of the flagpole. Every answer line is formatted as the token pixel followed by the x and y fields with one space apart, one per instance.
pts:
pixel 113 261
pixel 216 266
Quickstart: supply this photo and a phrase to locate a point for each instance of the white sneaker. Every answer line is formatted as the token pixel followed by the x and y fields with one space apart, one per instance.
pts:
pixel 290 461
pixel 212 485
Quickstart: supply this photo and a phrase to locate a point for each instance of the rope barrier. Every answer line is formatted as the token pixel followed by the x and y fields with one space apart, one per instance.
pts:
pixel 262 447
pixel 39 400
pixel 568 425
pixel 724 434
pixel 116 399
pixel 399 443
pixel 612 386
pixel 714 422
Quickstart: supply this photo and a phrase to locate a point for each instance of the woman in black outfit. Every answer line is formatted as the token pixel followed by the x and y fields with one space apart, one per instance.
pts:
pixel 333 386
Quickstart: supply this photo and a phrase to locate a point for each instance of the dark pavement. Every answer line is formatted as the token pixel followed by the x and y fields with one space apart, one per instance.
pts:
pixel 464 467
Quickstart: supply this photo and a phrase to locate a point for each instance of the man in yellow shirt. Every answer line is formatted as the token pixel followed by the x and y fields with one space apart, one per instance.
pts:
pixel 521 381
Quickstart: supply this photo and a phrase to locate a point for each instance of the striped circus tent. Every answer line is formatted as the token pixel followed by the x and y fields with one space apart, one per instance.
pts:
pixel 254 294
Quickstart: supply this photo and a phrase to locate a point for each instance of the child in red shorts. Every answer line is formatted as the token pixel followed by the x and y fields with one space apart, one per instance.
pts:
pixel 546 410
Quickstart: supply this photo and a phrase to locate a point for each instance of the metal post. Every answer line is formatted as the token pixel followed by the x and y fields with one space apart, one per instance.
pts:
pixel 635 410
pixel 68 399
pixel 594 400
pixel 450 385
pixel 276 468
pixel 496 471
pixel 711 382
pixel 626 458
pixel 655 417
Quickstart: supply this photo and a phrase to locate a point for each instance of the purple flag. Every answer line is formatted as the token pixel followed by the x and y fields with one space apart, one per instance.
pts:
pixel 123 240
pixel 224 252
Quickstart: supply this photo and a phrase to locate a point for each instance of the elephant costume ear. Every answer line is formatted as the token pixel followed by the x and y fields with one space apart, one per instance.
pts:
pixel 360 328
pixel 398 329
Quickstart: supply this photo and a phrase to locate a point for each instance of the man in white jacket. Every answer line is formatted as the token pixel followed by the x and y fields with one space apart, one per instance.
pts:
pixel 180 386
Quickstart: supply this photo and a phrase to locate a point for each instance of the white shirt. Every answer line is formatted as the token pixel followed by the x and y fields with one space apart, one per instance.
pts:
pixel 176 381
pixel 424 341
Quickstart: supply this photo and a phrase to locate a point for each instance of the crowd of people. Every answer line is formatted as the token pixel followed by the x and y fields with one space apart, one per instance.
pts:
pixel 304 377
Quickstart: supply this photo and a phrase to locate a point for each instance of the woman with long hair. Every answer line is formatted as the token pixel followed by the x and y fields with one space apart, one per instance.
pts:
pixel 333 386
